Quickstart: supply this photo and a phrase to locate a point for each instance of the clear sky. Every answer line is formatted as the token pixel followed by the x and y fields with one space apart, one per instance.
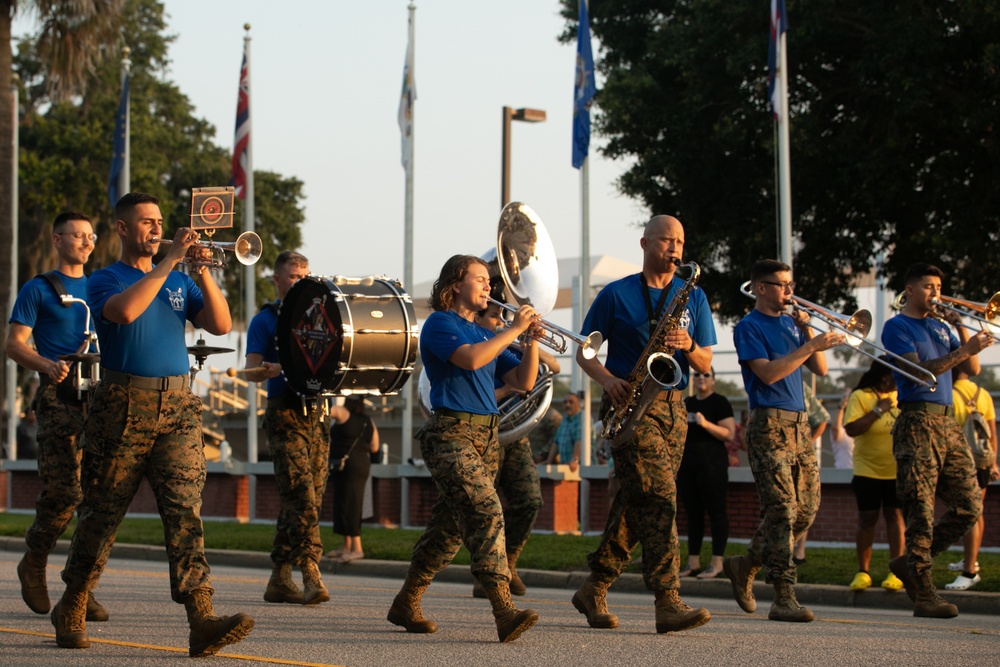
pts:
pixel 325 85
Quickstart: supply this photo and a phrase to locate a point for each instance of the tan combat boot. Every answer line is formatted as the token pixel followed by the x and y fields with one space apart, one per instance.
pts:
pixel 785 607
pixel 672 615
pixel 314 591
pixel 899 568
pixel 591 600
pixel 511 622
pixel 209 632
pixel 517 586
pixel 95 610
pixel 405 610
pixel 280 587
pixel 34 587
pixel 741 570
pixel 69 618
pixel 928 603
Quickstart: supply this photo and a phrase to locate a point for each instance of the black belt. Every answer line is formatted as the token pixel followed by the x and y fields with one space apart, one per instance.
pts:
pixel 168 383
pixel 783 415
pixel 670 395
pixel 932 408
pixel 483 420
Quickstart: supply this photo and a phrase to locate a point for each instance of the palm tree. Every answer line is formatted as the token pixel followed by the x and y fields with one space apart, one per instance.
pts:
pixel 74 35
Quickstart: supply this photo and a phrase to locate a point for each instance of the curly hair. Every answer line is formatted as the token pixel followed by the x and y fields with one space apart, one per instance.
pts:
pixel 452 273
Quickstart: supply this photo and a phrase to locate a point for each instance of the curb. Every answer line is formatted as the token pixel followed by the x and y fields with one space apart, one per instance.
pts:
pixel 973 602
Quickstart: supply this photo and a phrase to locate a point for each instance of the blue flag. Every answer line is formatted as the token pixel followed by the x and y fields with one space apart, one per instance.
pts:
pixel 584 89
pixel 118 156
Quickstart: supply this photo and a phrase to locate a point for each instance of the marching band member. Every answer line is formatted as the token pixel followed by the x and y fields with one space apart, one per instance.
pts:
pixel 645 507
pixel 459 443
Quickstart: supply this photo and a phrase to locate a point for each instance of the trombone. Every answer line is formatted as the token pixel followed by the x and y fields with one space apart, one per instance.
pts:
pixel 246 248
pixel 987 314
pixel 857 327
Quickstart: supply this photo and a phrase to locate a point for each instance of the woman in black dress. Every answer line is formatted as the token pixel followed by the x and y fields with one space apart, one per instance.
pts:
pixel 704 472
pixel 353 439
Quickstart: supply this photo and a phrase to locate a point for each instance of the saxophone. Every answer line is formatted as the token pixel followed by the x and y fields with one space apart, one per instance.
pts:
pixel 655 371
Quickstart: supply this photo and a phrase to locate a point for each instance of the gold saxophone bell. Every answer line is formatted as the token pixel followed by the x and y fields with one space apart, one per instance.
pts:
pixel 246 248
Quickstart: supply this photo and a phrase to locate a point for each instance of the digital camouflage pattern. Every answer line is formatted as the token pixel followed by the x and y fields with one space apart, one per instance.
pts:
pixel 60 430
pixel 786 474
pixel 130 434
pixel 462 458
pixel 300 450
pixel 933 460
pixel 517 477
pixel 645 508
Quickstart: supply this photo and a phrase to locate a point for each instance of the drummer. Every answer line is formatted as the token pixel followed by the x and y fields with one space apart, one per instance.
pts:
pixel 300 450
pixel 38 308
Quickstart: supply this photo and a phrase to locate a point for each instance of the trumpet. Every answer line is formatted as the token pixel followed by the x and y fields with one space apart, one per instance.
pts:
pixel 555 336
pixel 857 327
pixel 246 248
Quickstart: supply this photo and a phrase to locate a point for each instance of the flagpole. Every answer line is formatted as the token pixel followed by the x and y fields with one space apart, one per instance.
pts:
pixel 11 366
pixel 125 176
pixel 784 158
pixel 407 436
pixel 250 279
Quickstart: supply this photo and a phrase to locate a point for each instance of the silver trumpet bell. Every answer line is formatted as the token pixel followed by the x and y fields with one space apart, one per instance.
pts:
pixel 246 248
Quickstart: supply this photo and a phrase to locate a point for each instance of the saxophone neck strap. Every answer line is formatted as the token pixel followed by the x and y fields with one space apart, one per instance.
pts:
pixel 654 315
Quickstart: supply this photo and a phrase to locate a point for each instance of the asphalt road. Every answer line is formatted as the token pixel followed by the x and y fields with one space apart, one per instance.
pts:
pixel 147 628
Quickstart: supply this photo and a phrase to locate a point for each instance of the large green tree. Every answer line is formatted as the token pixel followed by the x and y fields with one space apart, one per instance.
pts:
pixel 894 110
pixel 66 155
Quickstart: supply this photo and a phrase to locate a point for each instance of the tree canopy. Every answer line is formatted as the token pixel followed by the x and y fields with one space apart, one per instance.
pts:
pixel 893 135
pixel 66 154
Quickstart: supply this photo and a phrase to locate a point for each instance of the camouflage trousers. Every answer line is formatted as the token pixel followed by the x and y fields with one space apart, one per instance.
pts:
pixel 517 478
pixel 933 460
pixel 300 450
pixel 133 434
pixel 60 428
pixel 462 458
pixel 786 474
pixel 644 510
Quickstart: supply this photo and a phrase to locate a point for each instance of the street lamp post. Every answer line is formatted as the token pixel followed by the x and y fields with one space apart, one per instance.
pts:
pixel 509 114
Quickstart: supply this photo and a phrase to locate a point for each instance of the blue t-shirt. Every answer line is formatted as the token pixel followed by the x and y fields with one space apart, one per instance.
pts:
pixel 261 340
pixel 454 388
pixel 153 345
pixel 930 339
pixel 619 314
pixel 56 329
pixel 760 336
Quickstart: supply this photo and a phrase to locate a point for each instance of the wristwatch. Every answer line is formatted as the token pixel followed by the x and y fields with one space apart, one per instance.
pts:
pixel 693 346
pixel 877 410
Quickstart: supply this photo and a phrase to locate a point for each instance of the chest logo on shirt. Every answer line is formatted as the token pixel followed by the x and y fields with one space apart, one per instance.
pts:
pixel 686 318
pixel 942 336
pixel 176 298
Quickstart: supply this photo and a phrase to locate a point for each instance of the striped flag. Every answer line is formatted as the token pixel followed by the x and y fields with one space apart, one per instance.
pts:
pixel 120 143
pixel 584 89
pixel 779 25
pixel 407 97
pixel 242 142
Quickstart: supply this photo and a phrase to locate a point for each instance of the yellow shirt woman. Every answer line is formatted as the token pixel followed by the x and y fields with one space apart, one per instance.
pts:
pixel 873 448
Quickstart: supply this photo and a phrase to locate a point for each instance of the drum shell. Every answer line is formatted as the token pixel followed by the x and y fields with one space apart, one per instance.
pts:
pixel 340 336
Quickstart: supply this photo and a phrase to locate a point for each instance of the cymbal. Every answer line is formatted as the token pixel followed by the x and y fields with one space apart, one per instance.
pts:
pixel 201 350
pixel 88 357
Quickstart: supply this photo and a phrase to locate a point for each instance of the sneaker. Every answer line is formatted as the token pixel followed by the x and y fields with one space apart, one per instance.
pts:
pixel 862 580
pixel 960 566
pixel 892 583
pixel 963 583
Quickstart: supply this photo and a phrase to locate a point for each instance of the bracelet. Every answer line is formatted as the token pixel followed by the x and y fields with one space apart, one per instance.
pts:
pixel 877 410
pixel 693 347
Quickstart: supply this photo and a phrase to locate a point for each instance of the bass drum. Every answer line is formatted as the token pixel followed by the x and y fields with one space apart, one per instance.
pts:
pixel 338 336
pixel 518 415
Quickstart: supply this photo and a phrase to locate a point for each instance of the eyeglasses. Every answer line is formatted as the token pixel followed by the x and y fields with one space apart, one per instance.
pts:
pixel 784 286
pixel 701 375
pixel 79 236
